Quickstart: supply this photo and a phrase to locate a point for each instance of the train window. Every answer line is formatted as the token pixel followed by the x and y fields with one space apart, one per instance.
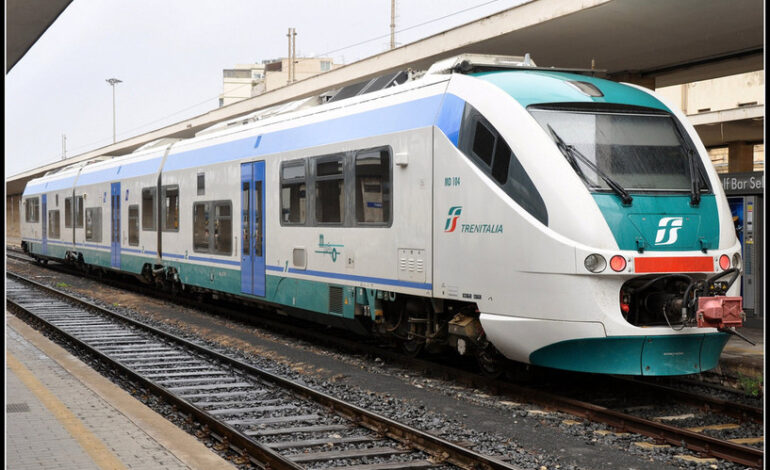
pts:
pixel 491 153
pixel 94 224
pixel 483 143
pixel 68 212
pixel 57 200
pixel 148 208
pixel 223 228
pixel 293 193
pixel 53 224
pixel 170 208
pixel 32 212
pixel 501 162
pixel 201 184
pixel 201 233
pixel 329 190
pixel 213 234
pixel 133 225
pixel 373 186
pixel 79 212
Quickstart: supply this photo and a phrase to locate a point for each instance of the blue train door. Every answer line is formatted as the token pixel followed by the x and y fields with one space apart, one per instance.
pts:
pixel 115 225
pixel 253 228
pixel 44 219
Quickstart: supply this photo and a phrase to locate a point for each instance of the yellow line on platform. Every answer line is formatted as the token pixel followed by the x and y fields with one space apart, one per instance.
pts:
pixel 93 446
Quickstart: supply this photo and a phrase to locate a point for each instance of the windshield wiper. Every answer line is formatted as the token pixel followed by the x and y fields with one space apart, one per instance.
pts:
pixel 570 152
pixel 694 179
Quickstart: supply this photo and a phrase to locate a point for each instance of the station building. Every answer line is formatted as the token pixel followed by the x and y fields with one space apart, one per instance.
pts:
pixel 244 81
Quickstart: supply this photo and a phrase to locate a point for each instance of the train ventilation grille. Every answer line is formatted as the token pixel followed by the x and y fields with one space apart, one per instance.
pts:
pixel 335 300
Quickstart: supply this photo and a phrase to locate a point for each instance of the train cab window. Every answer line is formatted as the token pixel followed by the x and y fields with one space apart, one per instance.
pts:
pixel 53 224
pixel 213 227
pixel 170 198
pixel 329 190
pixel 483 143
pixel 148 208
pixel 133 225
pixel 201 184
pixel 32 210
pixel 293 193
pixel 480 141
pixel 94 224
pixel 373 181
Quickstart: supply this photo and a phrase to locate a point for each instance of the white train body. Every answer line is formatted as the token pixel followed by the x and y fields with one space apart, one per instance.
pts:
pixel 376 210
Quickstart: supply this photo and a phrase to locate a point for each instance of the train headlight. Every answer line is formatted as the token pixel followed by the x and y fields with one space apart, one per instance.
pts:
pixel 737 261
pixel 595 263
pixel 617 263
pixel 724 262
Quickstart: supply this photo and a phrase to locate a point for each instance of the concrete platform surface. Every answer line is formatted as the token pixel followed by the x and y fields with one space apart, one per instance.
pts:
pixel 742 359
pixel 60 414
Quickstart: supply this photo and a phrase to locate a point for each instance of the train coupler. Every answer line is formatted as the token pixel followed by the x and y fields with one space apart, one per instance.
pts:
pixel 719 312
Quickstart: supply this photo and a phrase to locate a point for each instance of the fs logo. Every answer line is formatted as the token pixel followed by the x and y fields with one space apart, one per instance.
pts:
pixel 451 221
pixel 670 225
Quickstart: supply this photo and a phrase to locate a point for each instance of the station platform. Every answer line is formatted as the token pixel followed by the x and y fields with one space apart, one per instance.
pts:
pixel 741 363
pixel 60 414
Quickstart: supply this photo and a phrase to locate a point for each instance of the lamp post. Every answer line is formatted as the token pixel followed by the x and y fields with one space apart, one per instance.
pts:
pixel 113 82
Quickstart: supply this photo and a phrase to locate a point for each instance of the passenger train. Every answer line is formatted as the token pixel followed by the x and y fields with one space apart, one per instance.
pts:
pixel 488 205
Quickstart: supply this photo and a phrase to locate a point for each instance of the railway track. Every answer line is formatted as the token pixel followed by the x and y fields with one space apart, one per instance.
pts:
pixel 648 414
pixel 265 419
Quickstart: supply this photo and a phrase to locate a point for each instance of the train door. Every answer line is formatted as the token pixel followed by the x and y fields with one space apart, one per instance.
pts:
pixel 115 225
pixel 253 228
pixel 44 220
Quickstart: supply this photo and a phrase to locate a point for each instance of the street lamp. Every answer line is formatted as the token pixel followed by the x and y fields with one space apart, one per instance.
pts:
pixel 113 82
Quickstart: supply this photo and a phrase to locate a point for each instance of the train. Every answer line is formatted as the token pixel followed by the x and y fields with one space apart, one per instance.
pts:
pixel 487 206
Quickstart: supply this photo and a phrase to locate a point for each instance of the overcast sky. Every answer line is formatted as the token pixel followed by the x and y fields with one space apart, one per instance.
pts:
pixel 170 55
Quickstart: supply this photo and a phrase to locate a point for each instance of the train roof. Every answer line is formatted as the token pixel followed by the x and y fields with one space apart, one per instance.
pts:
pixel 541 86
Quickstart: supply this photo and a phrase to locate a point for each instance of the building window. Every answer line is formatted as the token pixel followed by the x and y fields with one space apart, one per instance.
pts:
pixel 53 224
pixel 326 65
pixel 213 227
pixel 293 193
pixel 133 225
pixel 32 212
pixel 201 184
pixel 373 182
pixel 94 224
pixel 170 208
pixel 148 208
pixel 329 190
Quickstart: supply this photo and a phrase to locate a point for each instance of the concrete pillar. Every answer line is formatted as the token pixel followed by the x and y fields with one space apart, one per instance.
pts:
pixel 635 78
pixel 740 157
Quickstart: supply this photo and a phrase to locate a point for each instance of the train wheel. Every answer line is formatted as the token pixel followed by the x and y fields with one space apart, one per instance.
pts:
pixel 490 364
pixel 412 347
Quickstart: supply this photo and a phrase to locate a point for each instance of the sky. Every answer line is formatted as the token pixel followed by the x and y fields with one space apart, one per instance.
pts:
pixel 170 55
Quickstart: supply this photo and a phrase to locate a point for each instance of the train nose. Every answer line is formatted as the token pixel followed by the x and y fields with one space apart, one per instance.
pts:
pixel 661 231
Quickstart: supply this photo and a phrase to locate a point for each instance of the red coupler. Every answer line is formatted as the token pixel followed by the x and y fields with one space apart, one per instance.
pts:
pixel 720 312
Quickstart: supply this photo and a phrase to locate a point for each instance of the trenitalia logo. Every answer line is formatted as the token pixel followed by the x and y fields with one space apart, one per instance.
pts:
pixel 451 221
pixel 670 226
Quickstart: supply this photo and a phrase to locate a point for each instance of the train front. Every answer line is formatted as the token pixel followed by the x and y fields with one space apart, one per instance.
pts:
pixel 616 251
